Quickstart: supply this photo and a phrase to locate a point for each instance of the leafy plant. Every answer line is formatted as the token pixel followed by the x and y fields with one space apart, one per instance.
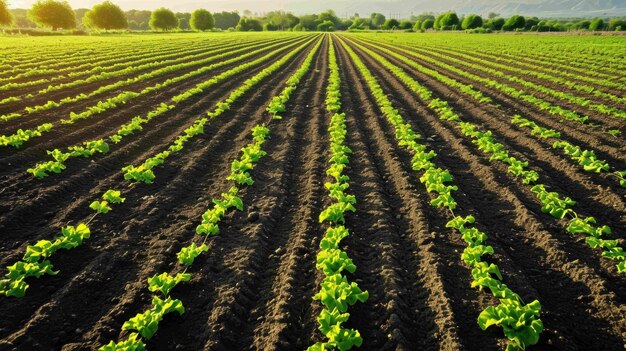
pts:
pixel 187 255
pixel 100 207
pixel 147 323
pixel 164 283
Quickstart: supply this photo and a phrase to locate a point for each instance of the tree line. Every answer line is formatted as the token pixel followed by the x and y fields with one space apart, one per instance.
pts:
pixel 55 15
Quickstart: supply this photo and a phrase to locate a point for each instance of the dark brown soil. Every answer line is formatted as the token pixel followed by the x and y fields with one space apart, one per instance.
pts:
pixel 253 290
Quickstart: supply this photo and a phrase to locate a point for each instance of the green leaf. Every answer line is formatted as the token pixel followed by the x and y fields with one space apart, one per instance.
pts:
pixel 130 344
pixel 100 207
pixel 113 196
pixel 164 282
pixel 187 255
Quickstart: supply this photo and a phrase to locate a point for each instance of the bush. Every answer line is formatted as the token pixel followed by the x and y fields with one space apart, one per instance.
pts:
pixel 582 25
pixel 269 27
pixel 531 22
pixel 326 26
pixel 617 24
pixel 406 25
pixel 471 22
pixel 105 16
pixel 513 23
pixel 201 20
pixel 597 24
pixel 391 24
pixel 447 21
pixel 428 24
pixel 163 19
pixel 249 25
pixel 496 23
pixel 53 14
pixel 479 30
pixel 6 19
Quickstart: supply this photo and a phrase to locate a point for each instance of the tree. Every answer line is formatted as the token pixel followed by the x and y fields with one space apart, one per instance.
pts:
pixel 447 21
pixel 183 23
pixel 280 20
pixel 249 24
pixel 163 19
pixel 360 23
pixel 617 24
pixel 106 16
pixel 308 22
pixel 201 20
pixel 326 26
pixel 138 19
pixel 428 23
pixel 471 22
pixel 225 20
pixel 531 22
pixel 391 24
pixel 406 25
pixel 345 24
pixel 6 19
pixel 514 22
pixel 378 19
pixel 497 23
pixel 422 17
pixel 329 15
pixel 492 15
pixel 582 24
pixel 597 24
pixel 54 14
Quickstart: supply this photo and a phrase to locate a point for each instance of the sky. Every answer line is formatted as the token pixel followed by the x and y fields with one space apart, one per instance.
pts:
pixel 181 5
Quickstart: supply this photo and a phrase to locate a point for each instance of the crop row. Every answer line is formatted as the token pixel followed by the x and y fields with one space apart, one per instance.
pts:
pixel 520 322
pixel 336 293
pixel 484 66
pixel 556 60
pixel 556 76
pixel 506 89
pixel 144 173
pixel 78 66
pixel 587 159
pixel 19 138
pixel 145 325
pixel 552 203
pixel 140 78
pixel 67 57
pixel 36 260
pixel 129 67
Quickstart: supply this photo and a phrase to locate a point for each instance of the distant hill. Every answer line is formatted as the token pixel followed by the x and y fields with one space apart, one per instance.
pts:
pixel 540 8
pixel 390 8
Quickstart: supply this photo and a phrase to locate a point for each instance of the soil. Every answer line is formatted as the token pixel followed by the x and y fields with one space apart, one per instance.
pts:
pixel 253 289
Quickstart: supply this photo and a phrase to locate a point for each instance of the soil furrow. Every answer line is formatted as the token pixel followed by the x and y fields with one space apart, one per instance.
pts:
pixel 408 304
pixel 535 255
pixel 283 317
pixel 54 189
pixel 138 238
pixel 604 202
pixel 586 135
pixel 63 112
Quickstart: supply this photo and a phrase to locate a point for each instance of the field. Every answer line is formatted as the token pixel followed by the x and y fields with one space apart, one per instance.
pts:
pixel 234 191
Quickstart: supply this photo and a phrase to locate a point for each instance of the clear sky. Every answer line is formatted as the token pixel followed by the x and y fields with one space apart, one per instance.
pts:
pixel 182 5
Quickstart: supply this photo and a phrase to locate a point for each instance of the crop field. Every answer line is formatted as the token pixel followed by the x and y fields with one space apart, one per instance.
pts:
pixel 285 191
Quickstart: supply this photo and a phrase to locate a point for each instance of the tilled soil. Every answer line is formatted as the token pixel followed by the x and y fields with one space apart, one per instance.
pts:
pixel 253 289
